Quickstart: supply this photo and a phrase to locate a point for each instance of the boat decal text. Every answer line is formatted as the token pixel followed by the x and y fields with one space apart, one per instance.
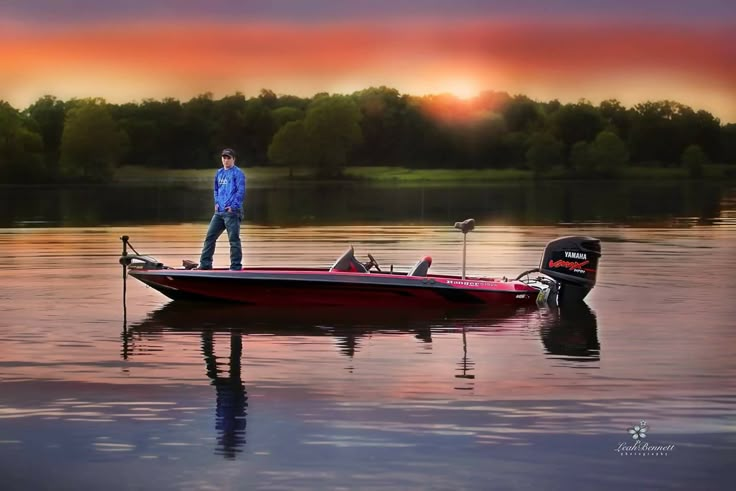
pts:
pixel 576 267
pixel 465 283
pixel 576 255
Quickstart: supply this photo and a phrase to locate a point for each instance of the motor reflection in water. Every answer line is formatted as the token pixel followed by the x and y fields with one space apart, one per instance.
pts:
pixel 572 334
pixel 569 335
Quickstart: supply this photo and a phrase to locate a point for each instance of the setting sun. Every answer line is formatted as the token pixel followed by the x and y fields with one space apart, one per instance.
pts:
pixel 460 87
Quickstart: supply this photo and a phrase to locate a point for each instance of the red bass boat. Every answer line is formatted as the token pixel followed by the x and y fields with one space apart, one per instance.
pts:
pixel 566 274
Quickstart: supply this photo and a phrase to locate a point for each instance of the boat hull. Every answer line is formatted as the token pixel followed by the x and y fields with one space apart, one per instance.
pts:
pixel 273 288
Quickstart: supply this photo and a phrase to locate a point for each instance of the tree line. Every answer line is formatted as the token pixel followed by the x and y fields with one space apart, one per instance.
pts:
pixel 86 139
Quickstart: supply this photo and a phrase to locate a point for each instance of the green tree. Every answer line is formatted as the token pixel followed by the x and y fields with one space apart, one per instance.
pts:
pixel 661 130
pixel 21 148
pixel 492 101
pixel 300 103
pixel 258 132
pixel 727 151
pixel 92 143
pixel 581 160
pixel 699 128
pixel 523 114
pixel 694 160
pixel 168 118
pixel 332 127
pixel 608 154
pixel 486 142
pixel 289 146
pixel 286 114
pixel 155 131
pixel 48 114
pixel 197 134
pixel 616 117
pixel 514 147
pixel 229 118
pixel 415 142
pixel 545 151
pixel 576 122
pixel 382 109
pixel 269 98
pixel 142 133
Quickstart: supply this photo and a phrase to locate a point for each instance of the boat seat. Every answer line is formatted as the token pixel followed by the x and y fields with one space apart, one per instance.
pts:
pixel 421 267
pixel 348 263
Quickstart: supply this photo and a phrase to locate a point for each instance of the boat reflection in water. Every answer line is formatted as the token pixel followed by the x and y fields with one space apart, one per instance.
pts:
pixel 569 335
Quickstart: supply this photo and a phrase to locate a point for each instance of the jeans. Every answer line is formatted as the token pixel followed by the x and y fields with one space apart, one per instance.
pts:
pixel 221 221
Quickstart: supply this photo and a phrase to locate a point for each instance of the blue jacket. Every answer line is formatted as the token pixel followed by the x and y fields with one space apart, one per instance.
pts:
pixel 229 188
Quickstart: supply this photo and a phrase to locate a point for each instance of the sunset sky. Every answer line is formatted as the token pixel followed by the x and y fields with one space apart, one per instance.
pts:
pixel 681 50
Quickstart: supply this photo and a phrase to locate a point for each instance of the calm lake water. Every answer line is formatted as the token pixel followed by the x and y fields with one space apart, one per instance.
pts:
pixel 204 396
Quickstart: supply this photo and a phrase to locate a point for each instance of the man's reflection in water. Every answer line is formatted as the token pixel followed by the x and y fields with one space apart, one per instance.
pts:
pixel 232 398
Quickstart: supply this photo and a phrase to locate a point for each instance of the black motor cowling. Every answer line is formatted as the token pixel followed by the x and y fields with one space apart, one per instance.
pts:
pixel 573 263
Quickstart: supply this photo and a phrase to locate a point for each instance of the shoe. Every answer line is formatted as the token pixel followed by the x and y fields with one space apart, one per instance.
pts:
pixel 189 264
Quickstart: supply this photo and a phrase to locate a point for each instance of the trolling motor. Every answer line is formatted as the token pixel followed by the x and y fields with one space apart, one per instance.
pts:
pixel 134 260
pixel 146 262
pixel 465 227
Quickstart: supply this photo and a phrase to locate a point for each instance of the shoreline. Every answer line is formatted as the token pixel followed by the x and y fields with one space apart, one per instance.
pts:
pixel 264 175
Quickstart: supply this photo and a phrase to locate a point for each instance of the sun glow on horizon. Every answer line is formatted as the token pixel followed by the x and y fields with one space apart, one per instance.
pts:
pixel 462 88
pixel 464 60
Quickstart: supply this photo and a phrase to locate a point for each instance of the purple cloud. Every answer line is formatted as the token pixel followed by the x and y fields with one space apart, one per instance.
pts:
pixel 313 11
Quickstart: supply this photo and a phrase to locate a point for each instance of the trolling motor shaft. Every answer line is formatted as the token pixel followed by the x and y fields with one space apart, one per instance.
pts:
pixel 465 227
pixel 124 263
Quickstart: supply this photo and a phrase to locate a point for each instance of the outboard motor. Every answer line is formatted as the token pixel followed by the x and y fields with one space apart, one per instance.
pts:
pixel 573 263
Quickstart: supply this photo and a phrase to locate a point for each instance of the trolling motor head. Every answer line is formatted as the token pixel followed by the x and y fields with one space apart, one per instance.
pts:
pixel 466 226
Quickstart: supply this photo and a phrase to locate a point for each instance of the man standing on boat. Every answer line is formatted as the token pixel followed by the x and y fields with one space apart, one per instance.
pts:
pixel 229 195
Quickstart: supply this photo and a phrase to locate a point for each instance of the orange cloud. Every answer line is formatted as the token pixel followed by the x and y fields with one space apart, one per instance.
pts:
pixel 566 61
